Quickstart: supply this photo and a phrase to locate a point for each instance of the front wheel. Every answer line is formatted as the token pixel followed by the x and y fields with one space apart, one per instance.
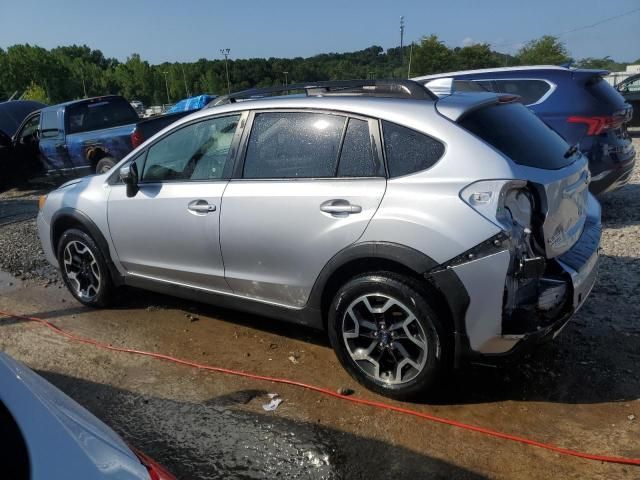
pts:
pixel 387 336
pixel 84 270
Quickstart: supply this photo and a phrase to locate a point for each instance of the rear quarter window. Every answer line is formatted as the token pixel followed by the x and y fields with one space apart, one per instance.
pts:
pixel 408 151
pixel 111 112
pixel 520 135
pixel 531 91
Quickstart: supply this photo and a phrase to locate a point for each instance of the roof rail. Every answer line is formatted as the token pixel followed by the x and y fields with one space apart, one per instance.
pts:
pixel 375 88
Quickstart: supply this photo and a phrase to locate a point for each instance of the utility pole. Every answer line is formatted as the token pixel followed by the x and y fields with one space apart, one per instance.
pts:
pixel 184 78
pixel 410 55
pixel 401 33
pixel 84 86
pixel 166 84
pixel 286 78
pixel 225 52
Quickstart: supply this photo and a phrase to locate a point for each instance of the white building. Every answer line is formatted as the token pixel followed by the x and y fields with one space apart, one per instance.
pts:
pixel 616 77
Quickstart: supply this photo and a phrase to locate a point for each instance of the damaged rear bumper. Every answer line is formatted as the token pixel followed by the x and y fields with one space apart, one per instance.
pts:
pixel 508 312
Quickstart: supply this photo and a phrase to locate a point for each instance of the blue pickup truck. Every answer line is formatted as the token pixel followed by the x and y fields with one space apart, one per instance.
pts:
pixel 78 138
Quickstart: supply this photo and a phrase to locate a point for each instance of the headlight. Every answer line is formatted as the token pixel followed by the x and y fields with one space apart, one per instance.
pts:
pixel 41 201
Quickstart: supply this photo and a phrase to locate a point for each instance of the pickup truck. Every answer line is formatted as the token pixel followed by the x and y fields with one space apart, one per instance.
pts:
pixel 78 138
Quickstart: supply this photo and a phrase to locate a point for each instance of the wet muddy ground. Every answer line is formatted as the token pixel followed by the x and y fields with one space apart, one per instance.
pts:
pixel 581 391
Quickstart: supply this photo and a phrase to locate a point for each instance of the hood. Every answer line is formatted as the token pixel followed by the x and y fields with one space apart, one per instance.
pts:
pixel 63 439
pixel 13 113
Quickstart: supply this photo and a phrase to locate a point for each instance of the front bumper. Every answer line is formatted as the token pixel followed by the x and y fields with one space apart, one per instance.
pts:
pixel 44 232
pixel 491 331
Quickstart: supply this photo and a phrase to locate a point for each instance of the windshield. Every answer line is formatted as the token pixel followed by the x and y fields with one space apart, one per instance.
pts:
pixel 519 134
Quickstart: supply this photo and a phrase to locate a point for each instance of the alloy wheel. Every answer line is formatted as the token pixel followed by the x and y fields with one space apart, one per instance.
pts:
pixel 81 269
pixel 384 338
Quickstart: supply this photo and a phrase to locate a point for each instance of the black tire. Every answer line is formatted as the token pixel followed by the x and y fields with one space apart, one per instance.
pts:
pixel 105 164
pixel 414 298
pixel 99 297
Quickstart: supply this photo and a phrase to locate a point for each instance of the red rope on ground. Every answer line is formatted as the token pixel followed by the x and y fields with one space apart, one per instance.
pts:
pixel 331 393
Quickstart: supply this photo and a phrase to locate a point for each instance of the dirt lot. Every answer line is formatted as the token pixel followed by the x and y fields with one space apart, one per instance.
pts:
pixel 581 392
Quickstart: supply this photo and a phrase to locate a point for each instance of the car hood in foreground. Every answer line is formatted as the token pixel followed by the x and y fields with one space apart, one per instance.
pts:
pixel 63 439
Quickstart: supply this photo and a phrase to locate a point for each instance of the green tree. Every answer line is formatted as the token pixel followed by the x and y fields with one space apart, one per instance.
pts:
pixel 475 56
pixel 547 50
pixel 35 92
pixel 605 63
pixel 432 56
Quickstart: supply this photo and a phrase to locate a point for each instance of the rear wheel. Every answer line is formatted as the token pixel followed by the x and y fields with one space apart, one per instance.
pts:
pixel 84 270
pixel 387 336
pixel 104 165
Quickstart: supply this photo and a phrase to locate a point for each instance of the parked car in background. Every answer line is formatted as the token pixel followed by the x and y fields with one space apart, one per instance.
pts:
pixel 78 138
pixel 138 106
pixel 576 103
pixel 191 104
pixel 12 114
pixel 630 91
pixel 361 208
pixel 48 436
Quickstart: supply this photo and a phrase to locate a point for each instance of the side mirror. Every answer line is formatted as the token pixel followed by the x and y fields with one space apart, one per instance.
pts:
pixel 129 175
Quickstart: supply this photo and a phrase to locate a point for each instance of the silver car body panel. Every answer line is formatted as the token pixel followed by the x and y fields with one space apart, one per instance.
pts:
pixel 276 240
pixel 155 235
pixel 484 281
pixel 63 439
pixel 267 241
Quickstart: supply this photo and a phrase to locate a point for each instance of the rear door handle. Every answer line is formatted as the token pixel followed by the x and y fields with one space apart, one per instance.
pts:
pixel 201 207
pixel 340 207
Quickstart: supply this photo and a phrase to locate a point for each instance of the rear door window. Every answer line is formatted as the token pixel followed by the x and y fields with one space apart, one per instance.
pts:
pixel 356 157
pixel 531 91
pixel 408 151
pixel 520 135
pixel 293 145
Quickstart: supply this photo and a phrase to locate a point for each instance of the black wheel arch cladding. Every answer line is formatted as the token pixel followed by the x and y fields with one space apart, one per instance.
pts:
pixel 69 217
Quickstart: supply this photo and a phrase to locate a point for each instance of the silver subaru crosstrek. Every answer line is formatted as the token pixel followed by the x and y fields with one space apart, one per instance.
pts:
pixel 418 232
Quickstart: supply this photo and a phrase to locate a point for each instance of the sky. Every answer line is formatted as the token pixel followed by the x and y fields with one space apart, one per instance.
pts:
pixel 186 30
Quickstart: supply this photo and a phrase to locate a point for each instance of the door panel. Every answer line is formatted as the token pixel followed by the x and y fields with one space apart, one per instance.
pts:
pixel 276 238
pixel 170 229
pixel 156 233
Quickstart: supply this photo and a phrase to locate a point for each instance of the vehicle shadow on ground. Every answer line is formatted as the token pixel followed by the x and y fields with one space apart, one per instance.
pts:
pixel 222 438
pixel 621 208
pixel 593 360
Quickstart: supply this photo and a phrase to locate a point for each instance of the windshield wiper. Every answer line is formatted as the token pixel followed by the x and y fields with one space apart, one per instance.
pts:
pixel 572 150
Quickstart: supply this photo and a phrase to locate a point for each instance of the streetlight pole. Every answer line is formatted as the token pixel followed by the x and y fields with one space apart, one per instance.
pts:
pixel 286 78
pixel 225 52
pixel 166 84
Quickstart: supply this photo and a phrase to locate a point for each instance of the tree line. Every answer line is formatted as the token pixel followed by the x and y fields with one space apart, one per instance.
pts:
pixel 71 72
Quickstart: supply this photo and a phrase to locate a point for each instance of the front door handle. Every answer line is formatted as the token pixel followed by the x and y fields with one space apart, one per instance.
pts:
pixel 201 207
pixel 340 207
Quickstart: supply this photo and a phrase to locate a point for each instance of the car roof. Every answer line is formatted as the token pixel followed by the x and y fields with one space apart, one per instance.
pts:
pixel 83 100
pixel 524 68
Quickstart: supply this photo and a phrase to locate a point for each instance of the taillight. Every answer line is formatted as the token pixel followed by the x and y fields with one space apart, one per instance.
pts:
pixel 156 471
pixel 597 125
pixel 136 138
